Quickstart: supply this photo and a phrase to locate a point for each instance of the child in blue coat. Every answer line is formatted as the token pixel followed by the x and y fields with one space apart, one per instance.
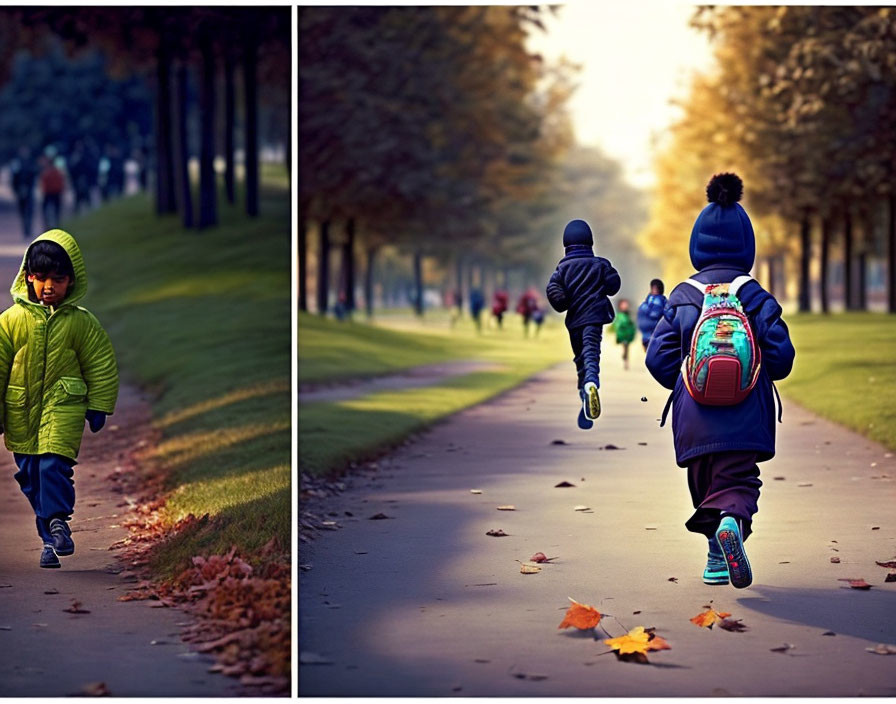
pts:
pixel 721 445
pixel 651 310
pixel 581 286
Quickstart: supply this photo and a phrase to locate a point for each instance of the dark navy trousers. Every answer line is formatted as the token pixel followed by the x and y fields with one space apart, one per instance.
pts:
pixel 723 482
pixel 47 482
pixel 585 343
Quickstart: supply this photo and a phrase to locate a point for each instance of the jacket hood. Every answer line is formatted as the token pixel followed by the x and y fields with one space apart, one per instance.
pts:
pixel 723 234
pixel 577 232
pixel 78 289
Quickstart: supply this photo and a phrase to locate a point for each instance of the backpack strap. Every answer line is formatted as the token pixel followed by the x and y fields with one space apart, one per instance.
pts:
pixel 735 285
pixel 697 285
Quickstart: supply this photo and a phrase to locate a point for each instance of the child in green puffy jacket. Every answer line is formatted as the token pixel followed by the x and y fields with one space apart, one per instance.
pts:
pixel 57 368
pixel 624 328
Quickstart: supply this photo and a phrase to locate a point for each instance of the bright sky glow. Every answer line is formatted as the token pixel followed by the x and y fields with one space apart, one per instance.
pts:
pixel 635 57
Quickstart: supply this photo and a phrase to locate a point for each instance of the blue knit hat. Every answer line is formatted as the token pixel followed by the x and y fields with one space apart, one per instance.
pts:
pixel 577 232
pixel 723 233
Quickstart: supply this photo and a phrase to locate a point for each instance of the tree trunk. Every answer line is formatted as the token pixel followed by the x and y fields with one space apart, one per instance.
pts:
pixel 208 197
pixel 348 265
pixel 323 270
pixel 862 281
pixel 165 197
pixel 459 299
pixel 848 297
pixel 229 126
pixel 303 264
pixel 368 281
pixel 250 69
pixel 891 256
pixel 770 263
pixel 184 187
pixel 418 283
pixel 825 260
pixel 805 304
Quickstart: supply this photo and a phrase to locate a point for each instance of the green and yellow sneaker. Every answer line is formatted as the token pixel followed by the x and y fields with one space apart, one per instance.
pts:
pixel 591 401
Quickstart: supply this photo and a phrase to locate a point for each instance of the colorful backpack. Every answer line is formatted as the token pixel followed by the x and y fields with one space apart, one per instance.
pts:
pixel 724 360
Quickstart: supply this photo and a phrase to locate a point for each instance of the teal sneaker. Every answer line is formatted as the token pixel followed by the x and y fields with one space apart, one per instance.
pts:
pixel 716 571
pixel 728 535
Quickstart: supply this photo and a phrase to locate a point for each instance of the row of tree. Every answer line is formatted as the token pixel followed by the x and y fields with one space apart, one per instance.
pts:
pixel 167 44
pixel 801 104
pixel 430 128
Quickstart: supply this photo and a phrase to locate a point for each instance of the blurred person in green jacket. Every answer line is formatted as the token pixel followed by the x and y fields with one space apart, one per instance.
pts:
pixel 58 368
pixel 624 328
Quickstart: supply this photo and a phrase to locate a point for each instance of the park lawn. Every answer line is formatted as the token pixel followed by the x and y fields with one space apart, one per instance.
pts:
pixel 845 370
pixel 201 320
pixel 334 434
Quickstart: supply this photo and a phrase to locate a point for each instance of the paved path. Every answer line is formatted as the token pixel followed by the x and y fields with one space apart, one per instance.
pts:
pixel 415 377
pixel 426 604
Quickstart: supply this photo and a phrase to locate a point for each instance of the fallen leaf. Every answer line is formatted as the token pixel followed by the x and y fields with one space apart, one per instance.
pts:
pixel 643 399
pixel 835 560
pixel 709 618
pixel 582 508
pixel 563 485
pixel 51 591
pixel 581 616
pixel 475 491
pixel 643 443
pixel 805 484
pixel 559 442
pixel 882 649
pixel 75 608
pixel 611 447
pixel 379 517
pixel 508 507
pixel 734 625
pixel 4 585
pixel 529 568
pixel 541 557
pixel 891 576
pixel 95 689
pixel 783 648
pixel 635 644
pixel 784 562
pixel 673 579
pixel 779 479
pixel 497 533
pixel 875 527
pixel 828 633
pixel 635 613
pixel 5 628
pixel 859 583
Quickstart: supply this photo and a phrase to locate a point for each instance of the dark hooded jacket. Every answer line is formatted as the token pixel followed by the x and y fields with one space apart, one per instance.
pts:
pixel 581 285
pixel 722 248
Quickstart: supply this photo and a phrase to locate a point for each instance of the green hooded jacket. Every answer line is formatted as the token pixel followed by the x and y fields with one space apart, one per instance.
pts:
pixel 55 363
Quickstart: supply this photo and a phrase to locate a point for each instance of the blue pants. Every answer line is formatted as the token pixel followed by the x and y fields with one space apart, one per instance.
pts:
pixel 47 482
pixel 586 348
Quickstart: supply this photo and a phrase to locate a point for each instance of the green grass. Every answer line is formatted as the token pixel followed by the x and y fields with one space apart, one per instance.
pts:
pixel 334 434
pixel 845 370
pixel 202 320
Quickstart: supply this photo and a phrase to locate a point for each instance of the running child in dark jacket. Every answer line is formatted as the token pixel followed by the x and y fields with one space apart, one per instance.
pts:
pixel 581 286
pixel 721 444
pixel 651 310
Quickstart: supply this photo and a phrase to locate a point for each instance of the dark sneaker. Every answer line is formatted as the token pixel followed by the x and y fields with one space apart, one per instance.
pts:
pixel 62 537
pixel 591 401
pixel 48 557
pixel 583 422
pixel 730 541
pixel 716 571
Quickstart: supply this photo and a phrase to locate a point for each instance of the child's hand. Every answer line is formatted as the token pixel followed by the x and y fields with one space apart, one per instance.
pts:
pixel 97 420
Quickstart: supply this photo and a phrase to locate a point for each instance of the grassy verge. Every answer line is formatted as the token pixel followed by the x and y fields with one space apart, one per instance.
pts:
pixel 333 434
pixel 845 370
pixel 202 320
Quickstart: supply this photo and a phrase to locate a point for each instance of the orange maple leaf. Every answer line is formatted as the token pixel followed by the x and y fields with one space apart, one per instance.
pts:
pixel 709 618
pixel 581 616
pixel 635 644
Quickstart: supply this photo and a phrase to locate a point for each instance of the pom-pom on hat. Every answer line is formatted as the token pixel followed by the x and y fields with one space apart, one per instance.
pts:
pixel 577 232
pixel 723 233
